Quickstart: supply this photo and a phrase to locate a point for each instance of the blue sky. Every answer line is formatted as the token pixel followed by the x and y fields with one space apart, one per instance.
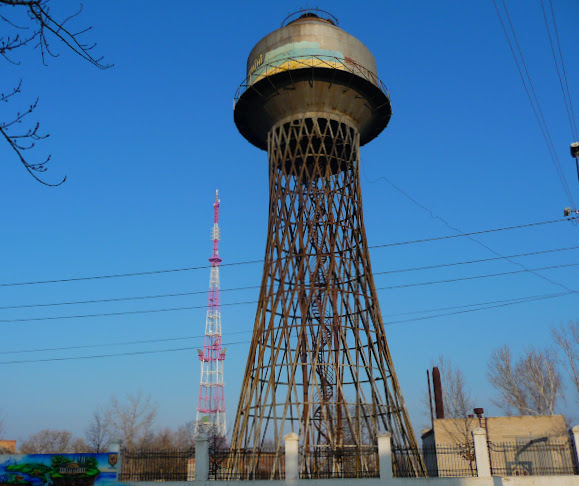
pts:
pixel 145 144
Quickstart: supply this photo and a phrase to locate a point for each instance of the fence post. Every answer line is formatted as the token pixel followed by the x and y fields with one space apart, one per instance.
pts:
pixel 291 457
pixel 115 450
pixel 576 439
pixel 481 453
pixel 201 458
pixel 385 455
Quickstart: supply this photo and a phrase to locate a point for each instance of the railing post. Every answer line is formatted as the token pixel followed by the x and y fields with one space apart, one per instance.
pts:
pixel 115 460
pixel 576 440
pixel 291 457
pixel 481 453
pixel 385 455
pixel 201 458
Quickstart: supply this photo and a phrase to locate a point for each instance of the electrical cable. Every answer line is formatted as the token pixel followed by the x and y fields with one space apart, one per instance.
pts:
pixel 418 284
pixel 443 265
pixel 528 84
pixel 122 343
pixel 482 305
pixel 469 235
pixel 123 313
pixel 389 323
pixel 460 279
pixel 181 294
pixel 387 245
pixel 564 85
pixel 111 355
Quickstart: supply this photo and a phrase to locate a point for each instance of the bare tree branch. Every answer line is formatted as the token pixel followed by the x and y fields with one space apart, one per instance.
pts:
pixel 567 339
pixel 40 30
pixel 133 419
pixel 532 386
pixel 98 432
pixel 49 441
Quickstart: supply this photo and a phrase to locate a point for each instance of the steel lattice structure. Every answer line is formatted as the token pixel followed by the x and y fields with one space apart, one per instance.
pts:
pixel 318 363
pixel 211 406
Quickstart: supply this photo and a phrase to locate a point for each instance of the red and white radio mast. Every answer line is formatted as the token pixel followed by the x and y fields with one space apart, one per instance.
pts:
pixel 211 407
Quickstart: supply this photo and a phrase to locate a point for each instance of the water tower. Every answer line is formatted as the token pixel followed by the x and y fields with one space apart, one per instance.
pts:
pixel 319 364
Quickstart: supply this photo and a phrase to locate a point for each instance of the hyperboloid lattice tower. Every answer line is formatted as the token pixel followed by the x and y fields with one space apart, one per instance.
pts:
pixel 211 407
pixel 319 364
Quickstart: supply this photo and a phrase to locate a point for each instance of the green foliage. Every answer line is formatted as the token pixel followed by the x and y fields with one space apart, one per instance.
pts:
pixel 58 462
pixel 32 469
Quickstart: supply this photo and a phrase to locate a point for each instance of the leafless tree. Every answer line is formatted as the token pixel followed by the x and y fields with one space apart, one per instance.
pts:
pixel 456 395
pixel 567 339
pixel 186 435
pixel 531 386
pixel 49 441
pixel 132 420
pixel 30 23
pixel 98 432
pixel 2 424
pixel 458 407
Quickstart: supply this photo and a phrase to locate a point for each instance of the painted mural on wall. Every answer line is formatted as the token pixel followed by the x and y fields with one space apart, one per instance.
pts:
pixel 58 469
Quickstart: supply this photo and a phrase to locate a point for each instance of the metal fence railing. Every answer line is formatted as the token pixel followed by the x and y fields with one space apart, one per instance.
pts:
pixel 447 460
pixel 539 457
pixel 165 465
pixel 344 462
pixel 246 464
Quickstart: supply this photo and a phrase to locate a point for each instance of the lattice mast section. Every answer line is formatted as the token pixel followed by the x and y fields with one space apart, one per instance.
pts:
pixel 211 407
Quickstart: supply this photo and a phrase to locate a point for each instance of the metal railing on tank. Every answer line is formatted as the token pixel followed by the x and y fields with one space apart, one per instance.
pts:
pixel 293 63
pixel 305 13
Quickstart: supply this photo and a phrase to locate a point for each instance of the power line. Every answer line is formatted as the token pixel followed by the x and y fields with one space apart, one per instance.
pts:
pixel 469 235
pixel 172 309
pixel 123 299
pixel 122 343
pixel 436 282
pixel 564 85
pixel 120 275
pixel 111 355
pixel 533 99
pixel 443 265
pixel 516 300
pixel 123 313
pixel 387 245
pixel 523 301
pixel 388 323
pixel 252 287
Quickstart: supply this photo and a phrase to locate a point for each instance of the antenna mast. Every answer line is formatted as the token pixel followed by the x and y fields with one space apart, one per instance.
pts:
pixel 211 407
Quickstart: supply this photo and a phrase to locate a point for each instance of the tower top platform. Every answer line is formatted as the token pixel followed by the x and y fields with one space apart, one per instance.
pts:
pixel 310 66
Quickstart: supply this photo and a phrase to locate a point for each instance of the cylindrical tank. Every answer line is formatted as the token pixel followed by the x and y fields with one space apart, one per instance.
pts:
pixel 310 66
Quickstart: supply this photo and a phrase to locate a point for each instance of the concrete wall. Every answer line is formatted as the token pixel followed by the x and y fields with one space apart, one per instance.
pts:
pixel 499 429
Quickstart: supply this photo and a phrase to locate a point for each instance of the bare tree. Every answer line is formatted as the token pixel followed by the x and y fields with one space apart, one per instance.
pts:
pixel 2 424
pixel 458 407
pixel 186 435
pixel 456 395
pixel 531 386
pixel 567 339
pixel 49 441
pixel 132 420
pixel 98 432
pixel 30 23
